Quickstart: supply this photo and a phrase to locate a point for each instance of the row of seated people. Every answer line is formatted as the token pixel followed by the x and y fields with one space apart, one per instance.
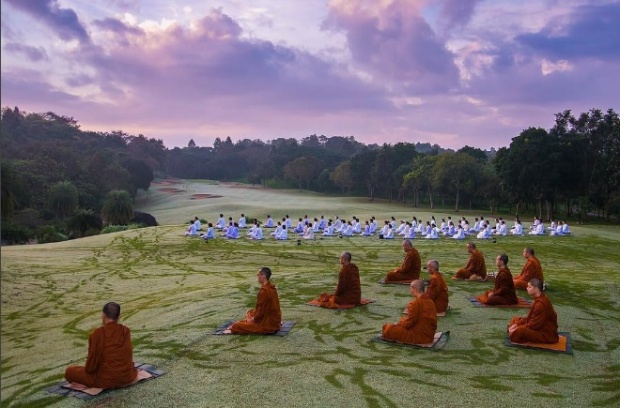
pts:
pixel 110 360
pixel 407 229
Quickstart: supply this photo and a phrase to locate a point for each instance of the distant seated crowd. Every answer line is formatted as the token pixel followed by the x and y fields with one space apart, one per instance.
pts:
pixel 305 228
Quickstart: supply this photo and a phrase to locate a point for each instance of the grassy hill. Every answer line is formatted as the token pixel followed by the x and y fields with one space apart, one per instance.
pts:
pixel 174 291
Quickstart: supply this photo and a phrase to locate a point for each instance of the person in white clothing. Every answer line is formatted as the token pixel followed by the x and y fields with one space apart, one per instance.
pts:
pixel 432 233
pixel 367 230
pixel 257 232
pixel 329 230
pixel 322 223
pixel 197 224
pixel 309 232
pixel 287 222
pixel 283 234
pixel 390 232
pixel 242 221
pixel 459 234
pixel 210 234
pixel 385 229
pixel 347 230
pixel 337 224
pixel 539 229
pixel 191 230
pixel 486 232
pixel 401 227
pixel 277 231
pixel 503 228
pixel 221 222
pixel 269 223
pixel 517 229
pixel 565 228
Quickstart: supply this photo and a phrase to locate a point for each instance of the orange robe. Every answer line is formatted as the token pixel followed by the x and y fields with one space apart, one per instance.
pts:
pixel 348 290
pixel 475 266
pixel 503 290
pixel 418 327
pixel 531 270
pixel 110 361
pixel 265 317
pixel 539 326
pixel 409 270
pixel 437 290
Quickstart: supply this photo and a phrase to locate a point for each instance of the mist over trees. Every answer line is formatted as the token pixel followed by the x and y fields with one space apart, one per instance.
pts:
pixel 56 175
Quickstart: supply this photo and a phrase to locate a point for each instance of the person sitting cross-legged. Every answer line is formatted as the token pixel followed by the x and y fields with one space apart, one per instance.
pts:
pixel 420 323
pixel 266 317
pixel 110 361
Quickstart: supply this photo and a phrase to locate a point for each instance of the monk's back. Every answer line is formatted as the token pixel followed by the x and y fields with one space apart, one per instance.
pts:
pixel 116 367
pixel 349 290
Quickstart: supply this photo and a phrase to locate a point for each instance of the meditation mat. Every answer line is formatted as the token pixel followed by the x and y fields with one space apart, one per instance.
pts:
pixel 442 314
pixel 441 338
pixel 317 302
pixel 523 303
pixel 403 282
pixel 285 328
pixel 67 389
pixel 564 345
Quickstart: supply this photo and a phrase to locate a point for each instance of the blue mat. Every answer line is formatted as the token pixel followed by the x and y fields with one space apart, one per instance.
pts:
pixel 286 327
pixel 61 388
pixel 441 338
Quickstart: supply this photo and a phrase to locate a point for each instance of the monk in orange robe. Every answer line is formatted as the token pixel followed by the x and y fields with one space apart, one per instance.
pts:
pixel 110 362
pixel 437 290
pixel 476 268
pixel 420 323
pixel 541 323
pixel 503 292
pixel 349 289
pixel 411 267
pixel 266 316
pixel 531 270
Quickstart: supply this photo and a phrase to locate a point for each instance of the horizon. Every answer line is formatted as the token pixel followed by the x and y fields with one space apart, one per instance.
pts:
pixel 446 72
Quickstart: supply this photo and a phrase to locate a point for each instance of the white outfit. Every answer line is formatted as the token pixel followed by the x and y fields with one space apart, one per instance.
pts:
pixel 309 234
pixel 198 225
pixel 432 234
pixel 277 231
pixel 518 230
pixel 329 231
pixel 283 234
pixel 191 231
pixel 242 222
pixel 257 233
pixel 389 234
pixel 210 234
pixel 460 234
pixel 221 223
pixel 269 223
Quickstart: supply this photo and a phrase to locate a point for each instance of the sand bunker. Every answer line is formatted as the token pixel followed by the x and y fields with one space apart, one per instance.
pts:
pixel 203 196
pixel 241 185
pixel 171 190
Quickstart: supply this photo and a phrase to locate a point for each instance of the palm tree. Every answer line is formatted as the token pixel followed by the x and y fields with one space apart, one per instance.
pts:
pixel 117 208
pixel 63 198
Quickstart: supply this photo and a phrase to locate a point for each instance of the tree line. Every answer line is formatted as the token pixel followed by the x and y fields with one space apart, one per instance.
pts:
pixel 57 176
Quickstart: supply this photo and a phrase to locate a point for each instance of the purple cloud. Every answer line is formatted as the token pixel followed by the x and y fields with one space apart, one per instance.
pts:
pixel 63 21
pixel 118 27
pixel 456 13
pixel 591 32
pixel 33 53
pixel 395 43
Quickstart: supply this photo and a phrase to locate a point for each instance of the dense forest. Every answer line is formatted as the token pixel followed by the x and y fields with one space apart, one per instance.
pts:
pixel 61 182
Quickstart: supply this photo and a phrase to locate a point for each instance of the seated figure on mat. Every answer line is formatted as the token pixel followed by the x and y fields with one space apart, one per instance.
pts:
pixel 411 266
pixel 476 268
pixel 420 323
pixel 437 290
pixel 349 289
pixel 266 317
pixel 110 362
pixel 541 323
pixel 531 270
pixel 503 292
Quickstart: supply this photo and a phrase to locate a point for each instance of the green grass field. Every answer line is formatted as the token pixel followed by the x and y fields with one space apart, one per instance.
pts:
pixel 174 292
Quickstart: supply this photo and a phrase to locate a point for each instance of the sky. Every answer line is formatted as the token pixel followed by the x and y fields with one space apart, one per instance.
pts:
pixel 451 72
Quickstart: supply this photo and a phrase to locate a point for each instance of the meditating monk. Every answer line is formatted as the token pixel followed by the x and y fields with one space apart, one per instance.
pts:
pixel 531 270
pixel 411 267
pixel 110 362
pixel 476 268
pixel 437 289
pixel 266 316
pixel 503 292
pixel 349 289
pixel 420 323
pixel 541 323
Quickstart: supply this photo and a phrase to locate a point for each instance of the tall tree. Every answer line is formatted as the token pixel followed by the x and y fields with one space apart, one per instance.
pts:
pixel 63 198
pixel 117 208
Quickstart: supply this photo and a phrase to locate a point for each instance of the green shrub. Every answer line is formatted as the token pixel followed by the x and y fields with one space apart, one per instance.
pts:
pixel 50 233
pixel 113 228
pixel 14 234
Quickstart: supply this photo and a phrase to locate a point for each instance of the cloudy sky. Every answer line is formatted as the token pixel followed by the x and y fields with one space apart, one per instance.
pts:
pixel 453 72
